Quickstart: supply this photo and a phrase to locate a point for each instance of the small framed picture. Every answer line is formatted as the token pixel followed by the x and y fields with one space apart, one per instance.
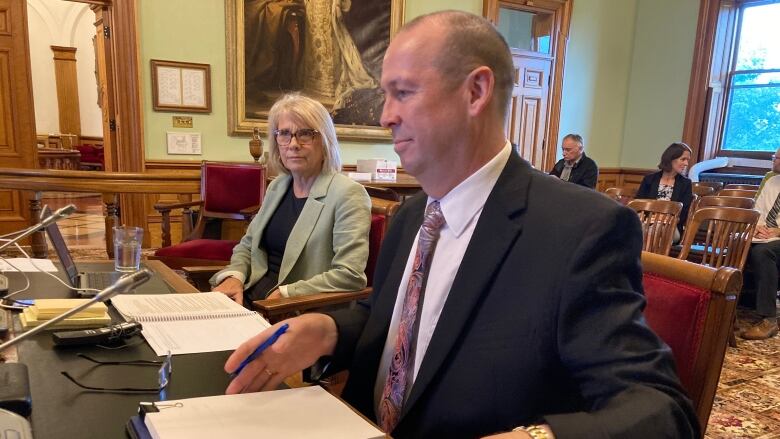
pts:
pixel 181 86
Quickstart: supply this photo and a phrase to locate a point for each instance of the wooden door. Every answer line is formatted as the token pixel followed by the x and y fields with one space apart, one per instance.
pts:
pixel 528 116
pixel 17 114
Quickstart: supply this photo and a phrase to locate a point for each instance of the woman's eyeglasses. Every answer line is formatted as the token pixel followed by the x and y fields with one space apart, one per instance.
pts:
pixel 304 136
pixel 163 375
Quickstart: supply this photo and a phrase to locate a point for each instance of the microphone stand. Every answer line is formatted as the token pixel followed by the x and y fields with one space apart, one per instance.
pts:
pixel 123 285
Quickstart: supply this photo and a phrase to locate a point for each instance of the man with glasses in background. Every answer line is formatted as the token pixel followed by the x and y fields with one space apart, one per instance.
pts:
pixel 575 167
pixel 764 257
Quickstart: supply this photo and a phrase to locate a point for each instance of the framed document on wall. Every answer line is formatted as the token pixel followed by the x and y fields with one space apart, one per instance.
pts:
pixel 181 86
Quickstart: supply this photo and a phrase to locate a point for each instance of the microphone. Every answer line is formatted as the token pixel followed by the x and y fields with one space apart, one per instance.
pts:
pixel 59 214
pixel 122 285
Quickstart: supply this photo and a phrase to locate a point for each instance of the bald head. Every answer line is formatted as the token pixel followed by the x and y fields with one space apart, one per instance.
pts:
pixel 468 42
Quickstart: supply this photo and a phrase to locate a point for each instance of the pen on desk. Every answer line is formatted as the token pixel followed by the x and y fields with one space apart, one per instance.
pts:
pixel 263 346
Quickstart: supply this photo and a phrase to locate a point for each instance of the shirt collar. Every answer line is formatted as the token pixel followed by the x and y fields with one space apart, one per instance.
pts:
pixel 574 163
pixel 465 200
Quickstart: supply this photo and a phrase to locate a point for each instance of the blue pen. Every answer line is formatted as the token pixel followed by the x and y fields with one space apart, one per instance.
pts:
pixel 263 346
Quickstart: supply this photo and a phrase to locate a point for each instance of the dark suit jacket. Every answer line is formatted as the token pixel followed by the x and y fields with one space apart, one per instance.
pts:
pixel 585 172
pixel 543 324
pixel 683 192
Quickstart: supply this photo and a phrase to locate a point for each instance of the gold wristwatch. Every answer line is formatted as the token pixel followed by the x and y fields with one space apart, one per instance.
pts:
pixel 535 431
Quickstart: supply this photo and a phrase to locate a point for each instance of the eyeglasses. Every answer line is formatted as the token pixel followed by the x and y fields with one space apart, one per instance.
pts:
pixel 304 136
pixel 163 375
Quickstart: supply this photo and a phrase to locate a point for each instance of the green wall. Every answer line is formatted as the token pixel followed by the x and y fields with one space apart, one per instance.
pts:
pixel 625 84
pixel 194 31
pixel 598 63
pixel 658 86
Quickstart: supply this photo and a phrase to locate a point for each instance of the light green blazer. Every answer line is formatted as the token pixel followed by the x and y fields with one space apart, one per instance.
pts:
pixel 328 246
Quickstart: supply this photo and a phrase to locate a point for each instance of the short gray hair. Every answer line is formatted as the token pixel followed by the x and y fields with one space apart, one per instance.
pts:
pixel 472 41
pixel 311 114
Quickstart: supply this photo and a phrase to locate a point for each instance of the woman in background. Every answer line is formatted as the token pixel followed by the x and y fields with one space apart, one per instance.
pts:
pixel 670 182
pixel 311 233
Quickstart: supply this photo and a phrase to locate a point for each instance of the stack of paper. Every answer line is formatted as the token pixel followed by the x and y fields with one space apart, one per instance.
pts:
pixel 96 315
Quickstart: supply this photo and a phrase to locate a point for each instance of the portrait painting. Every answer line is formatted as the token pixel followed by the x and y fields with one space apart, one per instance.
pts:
pixel 330 50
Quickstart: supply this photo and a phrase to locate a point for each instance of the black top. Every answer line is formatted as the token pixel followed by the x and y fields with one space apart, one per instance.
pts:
pixel 585 172
pixel 274 241
pixel 683 192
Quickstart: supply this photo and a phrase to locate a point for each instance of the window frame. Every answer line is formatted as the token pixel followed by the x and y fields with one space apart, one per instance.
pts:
pixel 712 71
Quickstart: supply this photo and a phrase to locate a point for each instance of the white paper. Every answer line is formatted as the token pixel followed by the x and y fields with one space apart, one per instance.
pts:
pixel 190 323
pixel 193 88
pixel 303 413
pixel 27 265
pixel 183 143
pixel 169 85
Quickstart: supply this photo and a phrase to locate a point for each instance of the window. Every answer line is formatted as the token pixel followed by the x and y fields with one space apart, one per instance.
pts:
pixel 752 119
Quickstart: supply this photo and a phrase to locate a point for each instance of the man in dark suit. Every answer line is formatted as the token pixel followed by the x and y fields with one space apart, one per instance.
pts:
pixel 494 308
pixel 575 167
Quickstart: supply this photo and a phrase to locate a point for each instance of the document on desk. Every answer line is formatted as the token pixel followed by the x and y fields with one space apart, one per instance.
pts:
pixel 190 323
pixel 302 413
pixel 28 265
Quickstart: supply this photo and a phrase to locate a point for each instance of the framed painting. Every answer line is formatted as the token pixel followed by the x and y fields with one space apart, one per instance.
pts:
pixel 330 50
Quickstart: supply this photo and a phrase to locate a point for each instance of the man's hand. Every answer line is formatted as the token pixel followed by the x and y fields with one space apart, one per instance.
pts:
pixel 764 232
pixel 308 338
pixel 521 434
pixel 232 288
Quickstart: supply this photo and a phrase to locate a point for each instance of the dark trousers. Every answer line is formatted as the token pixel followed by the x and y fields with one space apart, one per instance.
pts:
pixel 763 261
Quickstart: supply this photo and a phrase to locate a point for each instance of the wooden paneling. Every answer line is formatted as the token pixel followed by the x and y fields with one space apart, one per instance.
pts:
pixel 17 117
pixel 628 178
pixel 67 89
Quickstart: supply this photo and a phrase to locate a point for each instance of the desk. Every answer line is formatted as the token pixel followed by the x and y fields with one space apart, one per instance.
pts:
pixel 63 410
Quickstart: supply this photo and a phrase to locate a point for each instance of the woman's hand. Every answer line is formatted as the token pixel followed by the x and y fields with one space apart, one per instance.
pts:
pixel 232 288
pixel 276 294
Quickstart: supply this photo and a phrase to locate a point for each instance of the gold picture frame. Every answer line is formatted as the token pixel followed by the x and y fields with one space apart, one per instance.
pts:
pixel 246 113
pixel 181 86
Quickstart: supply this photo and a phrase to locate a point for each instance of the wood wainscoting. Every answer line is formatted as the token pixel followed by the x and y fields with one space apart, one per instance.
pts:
pixel 627 178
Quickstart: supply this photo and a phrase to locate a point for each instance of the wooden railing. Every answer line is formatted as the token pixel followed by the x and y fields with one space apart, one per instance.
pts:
pixel 109 184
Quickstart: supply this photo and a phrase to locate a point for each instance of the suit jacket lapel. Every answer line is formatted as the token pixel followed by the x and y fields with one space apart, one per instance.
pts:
pixel 300 233
pixel 499 226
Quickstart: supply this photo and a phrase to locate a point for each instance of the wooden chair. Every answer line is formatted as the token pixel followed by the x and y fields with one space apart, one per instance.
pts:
pixel 727 237
pixel 745 193
pixel 717 185
pixel 749 187
pixel 722 201
pixel 691 306
pixel 614 192
pixel 703 190
pixel 232 191
pixel 275 310
pixel 659 219
pixel 382 193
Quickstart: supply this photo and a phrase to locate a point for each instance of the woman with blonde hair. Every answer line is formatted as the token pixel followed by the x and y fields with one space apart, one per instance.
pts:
pixel 311 233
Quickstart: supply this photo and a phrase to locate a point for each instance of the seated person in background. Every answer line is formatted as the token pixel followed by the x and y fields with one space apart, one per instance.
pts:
pixel 763 258
pixel 481 320
pixel 311 233
pixel 575 167
pixel 669 183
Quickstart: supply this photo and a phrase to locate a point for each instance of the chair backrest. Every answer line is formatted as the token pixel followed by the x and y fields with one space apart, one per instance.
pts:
pixel 659 219
pixel 718 201
pixel 691 307
pixel 750 187
pixel 382 212
pixel 703 190
pixel 383 193
pixel 717 185
pixel 745 193
pixel 228 188
pixel 614 192
pixel 727 235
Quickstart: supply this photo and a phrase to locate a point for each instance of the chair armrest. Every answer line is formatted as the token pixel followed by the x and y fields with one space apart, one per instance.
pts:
pixel 250 212
pixel 170 206
pixel 199 276
pixel 276 309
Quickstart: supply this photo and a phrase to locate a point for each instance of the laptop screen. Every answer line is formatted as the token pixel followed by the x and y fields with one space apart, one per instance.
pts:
pixel 55 236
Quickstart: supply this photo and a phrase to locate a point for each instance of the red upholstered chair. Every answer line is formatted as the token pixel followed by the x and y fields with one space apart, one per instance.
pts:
pixel 91 157
pixel 232 191
pixel 382 212
pixel 691 307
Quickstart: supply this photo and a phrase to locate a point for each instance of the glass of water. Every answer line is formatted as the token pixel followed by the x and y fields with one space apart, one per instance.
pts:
pixel 127 248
